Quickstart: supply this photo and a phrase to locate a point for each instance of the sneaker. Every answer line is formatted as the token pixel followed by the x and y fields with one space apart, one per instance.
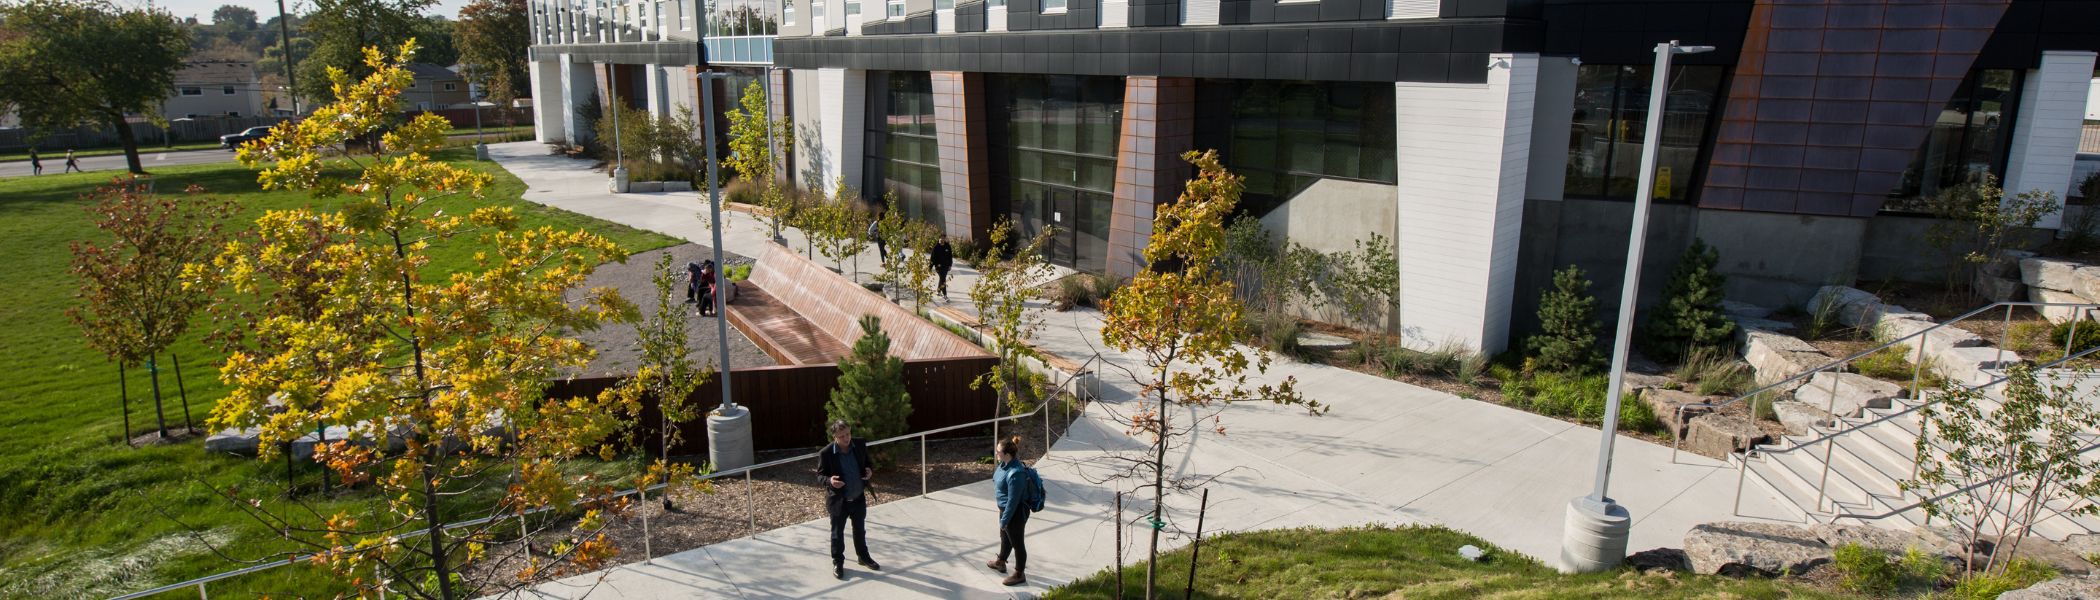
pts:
pixel 870 564
pixel 838 572
pixel 995 565
pixel 1015 579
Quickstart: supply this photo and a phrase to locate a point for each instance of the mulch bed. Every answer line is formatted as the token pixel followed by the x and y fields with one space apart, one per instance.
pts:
pixel 618 353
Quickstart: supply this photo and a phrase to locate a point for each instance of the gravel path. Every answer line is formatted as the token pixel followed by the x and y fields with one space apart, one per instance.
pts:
pixel 617 353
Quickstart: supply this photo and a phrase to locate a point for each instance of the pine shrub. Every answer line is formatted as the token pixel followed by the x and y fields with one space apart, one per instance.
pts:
pixel 1567 337
pixel 1690 314
pixel 870 394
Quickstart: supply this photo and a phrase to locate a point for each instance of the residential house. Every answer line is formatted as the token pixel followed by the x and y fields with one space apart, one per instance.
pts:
pixel 436 87
pixel 217 88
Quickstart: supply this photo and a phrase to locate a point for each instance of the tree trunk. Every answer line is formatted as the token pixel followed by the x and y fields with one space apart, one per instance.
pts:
pixel 1159 496
pixel 159 414
pixel 124 397
pixel 131 146
pixel 436 528
pixel 184 391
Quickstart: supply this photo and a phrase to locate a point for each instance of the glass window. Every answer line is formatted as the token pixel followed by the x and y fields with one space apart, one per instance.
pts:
pixel 1054 160
pixel 995 3
pixel 1967 141
pixel 896 9
pixel 787 13
pixel 816 16
pixel 903 155
pixel 1284 136
pixel 1610 123
pixel 1053 6
pixel 852 7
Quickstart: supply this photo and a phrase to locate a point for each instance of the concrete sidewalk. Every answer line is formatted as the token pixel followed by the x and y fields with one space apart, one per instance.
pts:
pixel 1388 452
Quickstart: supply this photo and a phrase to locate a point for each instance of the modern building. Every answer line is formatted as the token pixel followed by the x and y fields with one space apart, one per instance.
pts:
pixel 218 88
pixel 1491 141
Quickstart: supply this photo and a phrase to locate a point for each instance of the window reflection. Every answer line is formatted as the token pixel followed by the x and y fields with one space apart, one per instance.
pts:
pixel 903 156
pixel 1968 139
pixel 1610 124
pixel 1283 136
pixel 1054 160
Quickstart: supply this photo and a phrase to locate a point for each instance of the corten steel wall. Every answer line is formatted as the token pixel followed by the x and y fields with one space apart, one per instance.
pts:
pixel 1159 123
pixel 1832 98
pixel 787 402
pixel 835 306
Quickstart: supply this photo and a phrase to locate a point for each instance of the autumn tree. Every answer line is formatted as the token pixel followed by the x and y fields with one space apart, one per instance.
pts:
pixel 908 267
pixel 68 63
pixel 493 37
pixel 341 30
pixel 134 302
pixel 1179 315
pixel 752 135
pixel 838 227
pixel 452 370
pixel 1005 285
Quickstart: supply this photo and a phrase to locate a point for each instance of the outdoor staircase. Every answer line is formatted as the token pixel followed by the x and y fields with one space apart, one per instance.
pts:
pixel 1866 465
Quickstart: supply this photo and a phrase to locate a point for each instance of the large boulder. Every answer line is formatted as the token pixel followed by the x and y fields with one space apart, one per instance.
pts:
pixel 234 441
pixel 2060 588
pixel 1851 306
pixel 1844 394
pixel 1892 541
pixel 2049 273
pixel 2086 283
pixel 2008 263
pixel 1999 289
pixel 1664 402
pixel 1743 548
pixel 1720 435
pixel 1927 337
pixel 1773 357
pixel 1744 309
pixel 2050 553
pixel 1634 383
pixel 1976 365
pixel 303 448
pixel 2059 314
pixel 1799 417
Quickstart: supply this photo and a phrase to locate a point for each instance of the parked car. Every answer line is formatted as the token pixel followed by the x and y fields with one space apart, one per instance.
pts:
pixel 234 140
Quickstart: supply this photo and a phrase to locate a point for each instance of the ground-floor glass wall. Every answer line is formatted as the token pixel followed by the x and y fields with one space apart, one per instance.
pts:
pixel 902 150
pixel 1284 135
pixel 1054 160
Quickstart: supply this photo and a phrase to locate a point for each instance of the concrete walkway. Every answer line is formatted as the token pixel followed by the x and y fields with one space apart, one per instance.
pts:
pixel 1388 452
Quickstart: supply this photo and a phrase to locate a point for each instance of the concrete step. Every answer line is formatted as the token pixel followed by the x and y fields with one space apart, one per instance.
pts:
pixel 1804 473
pixel 1793 496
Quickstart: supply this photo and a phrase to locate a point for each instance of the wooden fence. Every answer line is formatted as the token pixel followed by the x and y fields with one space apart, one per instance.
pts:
pixel 787 402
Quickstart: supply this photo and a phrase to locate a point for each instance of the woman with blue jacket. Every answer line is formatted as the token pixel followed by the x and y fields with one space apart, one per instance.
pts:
pixel 1016 486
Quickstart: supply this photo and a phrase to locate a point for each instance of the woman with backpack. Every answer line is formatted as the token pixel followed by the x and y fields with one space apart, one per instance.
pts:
pixel 1020 492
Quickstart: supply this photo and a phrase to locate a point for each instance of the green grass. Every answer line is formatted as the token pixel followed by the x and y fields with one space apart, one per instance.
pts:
pixel 1405 562
pixel 81 514
pixel 55 158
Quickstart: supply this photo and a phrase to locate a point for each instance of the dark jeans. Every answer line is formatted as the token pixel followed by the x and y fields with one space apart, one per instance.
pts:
pixel 943 273
pixel 1014 536
pixel 856 511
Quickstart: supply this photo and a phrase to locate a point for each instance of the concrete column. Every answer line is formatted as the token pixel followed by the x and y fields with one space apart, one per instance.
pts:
pixel 778 102
pixel 2046 132
pixel 659 92
pixel 843 94
pixel 1463 154
pixel 579 81
pixel 1159 123
pixel 1552 119
pixel 966 176
pixel 548 102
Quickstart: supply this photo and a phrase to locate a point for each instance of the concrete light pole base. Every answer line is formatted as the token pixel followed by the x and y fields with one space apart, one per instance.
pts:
pixel 481 151
pixel 729 439
pixel 1594 536
pixel 619 180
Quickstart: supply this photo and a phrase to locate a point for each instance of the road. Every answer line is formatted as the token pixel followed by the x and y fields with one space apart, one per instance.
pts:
pixel 151 158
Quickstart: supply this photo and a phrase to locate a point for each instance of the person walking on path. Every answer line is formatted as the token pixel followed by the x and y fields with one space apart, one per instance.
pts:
pixel 692 283
pixel 844 468
pixel 36 164
pixel 72 164
pixel 1019 491
pixel 943 259
pixel 875 234
pixel 707 288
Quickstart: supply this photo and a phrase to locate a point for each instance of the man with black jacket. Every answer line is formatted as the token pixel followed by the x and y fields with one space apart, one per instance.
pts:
pixel 844 468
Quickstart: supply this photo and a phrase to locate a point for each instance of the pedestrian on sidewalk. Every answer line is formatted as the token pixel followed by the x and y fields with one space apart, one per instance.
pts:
pixel 72 164
pixel 845 469
pixel 708 274
pixel 943 259
pixel 36 164
pixel 875 234
pixel 1019 491
pixel 692 283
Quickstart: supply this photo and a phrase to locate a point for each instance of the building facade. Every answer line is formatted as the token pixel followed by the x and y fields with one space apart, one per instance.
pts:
pixel 1491 141
pixel 216 88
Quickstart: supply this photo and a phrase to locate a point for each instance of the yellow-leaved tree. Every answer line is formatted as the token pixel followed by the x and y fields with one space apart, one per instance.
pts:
pixel 1179 315
pixel 436 383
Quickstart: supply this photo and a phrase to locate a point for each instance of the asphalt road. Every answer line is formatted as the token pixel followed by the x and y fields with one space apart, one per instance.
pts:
pixel 150 158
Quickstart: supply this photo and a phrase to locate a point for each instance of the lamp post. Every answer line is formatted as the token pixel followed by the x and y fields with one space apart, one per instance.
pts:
pixel 1593 537
pixel 728 427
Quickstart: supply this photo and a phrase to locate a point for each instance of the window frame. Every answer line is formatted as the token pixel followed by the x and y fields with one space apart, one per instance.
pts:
pixel 190 90
pixel 1060 7
pixel 1709 129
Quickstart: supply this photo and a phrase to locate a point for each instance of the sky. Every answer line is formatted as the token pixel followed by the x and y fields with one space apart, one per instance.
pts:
pixel 264 9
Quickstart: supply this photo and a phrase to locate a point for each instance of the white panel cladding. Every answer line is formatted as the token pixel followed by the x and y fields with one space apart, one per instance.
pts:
pixel 659 99
pixel 1463 153
pixel 2046 133
pixel 806 114
pixel 843 94
pixel 1115 14
pixel 579 85
pixel 546 111
pixel 1199 12
pixel 1411 9
pixel 995 18
pixel 944 20
pixel 853 21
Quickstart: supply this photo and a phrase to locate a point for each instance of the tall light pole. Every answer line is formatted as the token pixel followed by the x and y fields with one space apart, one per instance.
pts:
pixel 284 36
pixel 1593 537
pixel 728 427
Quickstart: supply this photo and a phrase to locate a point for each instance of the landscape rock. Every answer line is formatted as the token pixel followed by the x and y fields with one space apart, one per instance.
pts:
pixel 1773 357
pixel 1844 394
pixel 2060 588
pixel 1748 323
pixel 1974 365
pixel 234 441
pixel 1999 289
pixel 678 186
pixel 1892 541
pixel 1664 403
pixel 2058 314
pixel 2049 273
pixel 1745 309
pixel 1635 382
pixel 2050 553
pixel 303 448
pixel 1799 417
pixel 1720 435
pixel 2008 263
pixel 1740 548
pixel 1314 340
pixel 1851 306
pixel 2083 545
pixel 1663 559
pixel 2086 283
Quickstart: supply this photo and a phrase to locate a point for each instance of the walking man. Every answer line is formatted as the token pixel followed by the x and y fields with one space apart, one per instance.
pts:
pixel 72 164
pixel 1019 491
pixel 943 258
pixel 845 469
pixel 36 164
pixel 875 233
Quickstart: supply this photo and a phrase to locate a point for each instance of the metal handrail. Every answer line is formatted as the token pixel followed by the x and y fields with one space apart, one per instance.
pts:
pixel 1678 444
pixel 1915 505
pixel 1041 408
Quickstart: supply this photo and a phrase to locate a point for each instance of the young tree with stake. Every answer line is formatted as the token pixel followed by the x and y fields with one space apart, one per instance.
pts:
pixel 1005 285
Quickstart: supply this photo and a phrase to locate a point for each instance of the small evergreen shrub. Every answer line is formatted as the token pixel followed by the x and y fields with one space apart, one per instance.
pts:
pixel 2088 336
pixel 1690 314
pixel 1567 337
pixel 870 393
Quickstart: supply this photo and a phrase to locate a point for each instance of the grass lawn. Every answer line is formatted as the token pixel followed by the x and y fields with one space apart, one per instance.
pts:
pixel 82 515
pixel 1406 562
pixel 55 158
